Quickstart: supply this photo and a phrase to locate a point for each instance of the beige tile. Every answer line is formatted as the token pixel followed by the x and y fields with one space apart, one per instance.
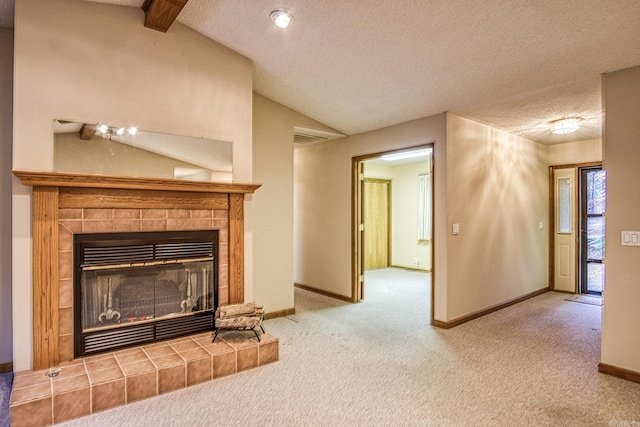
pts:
pixel 65 317
pixel 97 226
pixel 203 339
pixel 153 225
pixel 34 413
pixel 72 404
pixel 178 224
pixel 168 360
pixel 200 224
pixel 185 345
pixel 162 349
pixel 96 363
pixel 65 238
pixel 93 214
pixel 141 386
pixel 106 375
pixel 201 213
pixel 65 384
pixel 153 213
pixel 223 253
pixel 247 358
pixel 69 214
pixel 126 214
pixel 71 368
pixel 223 233
pixel 65 347
pixel 219 347
pixel 224 364
pixel 29 393
pixel 107 395
pixel 171 378
pixel 138 367
pixel 221 213
pixel 28 378
pixel 74 226
pixel 223 294
pixel 121 225
pixel 178 213
pixel 268 352
pixel 223 269
pixel 65 260
pixel 198 370
pixel 65 293
pixel 131 356
pixel 240 339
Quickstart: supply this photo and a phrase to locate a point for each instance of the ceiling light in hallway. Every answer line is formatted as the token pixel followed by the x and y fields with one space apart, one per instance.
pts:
pixel 565 126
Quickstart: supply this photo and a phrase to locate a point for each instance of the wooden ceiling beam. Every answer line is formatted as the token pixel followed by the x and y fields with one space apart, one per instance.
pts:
pixel 160 14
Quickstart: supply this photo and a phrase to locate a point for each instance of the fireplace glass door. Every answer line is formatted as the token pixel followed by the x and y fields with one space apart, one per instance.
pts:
pixel 136 288
pixel 122 296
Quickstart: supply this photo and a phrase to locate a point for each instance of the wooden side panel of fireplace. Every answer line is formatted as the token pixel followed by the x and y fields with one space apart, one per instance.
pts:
pixel 90 192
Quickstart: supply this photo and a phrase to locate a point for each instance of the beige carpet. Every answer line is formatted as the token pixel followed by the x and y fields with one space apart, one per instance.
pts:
pixel 379 363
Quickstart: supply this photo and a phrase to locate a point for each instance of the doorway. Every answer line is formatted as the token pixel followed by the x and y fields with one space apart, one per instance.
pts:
pixel 577 236
pixel 385 213
pixel 592 226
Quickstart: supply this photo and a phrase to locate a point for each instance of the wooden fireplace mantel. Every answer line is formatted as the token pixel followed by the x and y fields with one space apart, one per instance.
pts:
pixel 79 180
pixel 53 191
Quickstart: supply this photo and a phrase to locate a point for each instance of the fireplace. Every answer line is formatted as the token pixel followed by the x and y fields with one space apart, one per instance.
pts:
pixel 135 288
pixel 67 204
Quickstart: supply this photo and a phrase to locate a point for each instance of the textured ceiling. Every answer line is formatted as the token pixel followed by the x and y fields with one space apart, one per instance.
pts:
pixel 360 65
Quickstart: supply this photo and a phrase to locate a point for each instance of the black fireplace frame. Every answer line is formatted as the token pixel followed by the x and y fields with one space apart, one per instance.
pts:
pixel 94 342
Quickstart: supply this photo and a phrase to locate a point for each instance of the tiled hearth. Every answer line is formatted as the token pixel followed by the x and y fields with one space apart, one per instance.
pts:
pixel 96 383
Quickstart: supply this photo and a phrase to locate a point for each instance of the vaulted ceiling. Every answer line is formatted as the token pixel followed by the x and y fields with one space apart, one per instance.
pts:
pixel 360 65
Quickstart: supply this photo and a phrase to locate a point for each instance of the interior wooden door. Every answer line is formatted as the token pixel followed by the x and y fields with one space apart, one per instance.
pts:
pixel 376 220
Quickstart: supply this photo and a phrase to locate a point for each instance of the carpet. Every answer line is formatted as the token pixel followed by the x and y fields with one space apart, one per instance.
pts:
pixel 585 299
pixel 379 363
pixel 5 393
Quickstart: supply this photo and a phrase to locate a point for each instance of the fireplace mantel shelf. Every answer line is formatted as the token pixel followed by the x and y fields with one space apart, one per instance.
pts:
pixel 64 179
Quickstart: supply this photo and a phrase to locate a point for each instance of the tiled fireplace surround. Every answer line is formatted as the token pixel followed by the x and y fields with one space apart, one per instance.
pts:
pixel 65 204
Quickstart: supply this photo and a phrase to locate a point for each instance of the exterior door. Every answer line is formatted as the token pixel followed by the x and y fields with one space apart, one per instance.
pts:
pixel 565 234
pixel 375 215
pixel 593 204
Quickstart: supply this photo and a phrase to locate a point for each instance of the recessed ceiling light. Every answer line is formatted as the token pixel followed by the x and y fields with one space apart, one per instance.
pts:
pixel 565 126
pixel 282 18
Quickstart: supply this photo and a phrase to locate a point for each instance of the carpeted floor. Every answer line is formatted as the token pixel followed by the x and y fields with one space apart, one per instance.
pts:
pixel 380 363
pixel 6 379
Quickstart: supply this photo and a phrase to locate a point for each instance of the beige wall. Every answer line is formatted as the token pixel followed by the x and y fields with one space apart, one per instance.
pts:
pixel 92 62
pixel 497 190
pixel 621 316
pixel 273 202
pixel 575 152
pixel 6 115
pixel 405 248
pixel 492 183
pixel 322 202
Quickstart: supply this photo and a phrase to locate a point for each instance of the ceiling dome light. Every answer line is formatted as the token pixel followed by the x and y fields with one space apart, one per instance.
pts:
pixel 282 18
pixel 565 126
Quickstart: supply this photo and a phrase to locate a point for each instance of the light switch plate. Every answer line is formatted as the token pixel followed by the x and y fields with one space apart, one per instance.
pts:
pixel 630 238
